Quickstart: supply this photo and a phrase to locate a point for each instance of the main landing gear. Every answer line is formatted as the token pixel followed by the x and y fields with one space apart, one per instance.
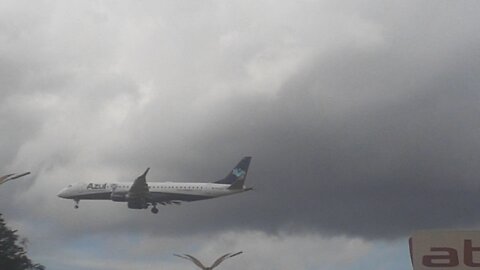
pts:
pixel 76 204
pixel 154 210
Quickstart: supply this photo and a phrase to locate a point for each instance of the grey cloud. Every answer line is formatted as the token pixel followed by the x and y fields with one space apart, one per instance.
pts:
pixel 393 151
pixel 369 140
pixel 381 170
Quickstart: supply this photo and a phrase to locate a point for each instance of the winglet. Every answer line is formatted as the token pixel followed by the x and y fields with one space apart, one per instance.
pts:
pixel 145 173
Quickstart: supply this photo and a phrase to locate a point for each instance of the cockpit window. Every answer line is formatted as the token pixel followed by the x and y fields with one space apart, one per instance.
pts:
pixel 70 186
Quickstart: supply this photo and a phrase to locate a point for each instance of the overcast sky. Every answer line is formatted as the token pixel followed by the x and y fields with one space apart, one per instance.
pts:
pixel 362 117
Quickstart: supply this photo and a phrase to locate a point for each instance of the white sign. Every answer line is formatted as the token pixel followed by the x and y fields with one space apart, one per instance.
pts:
pixel 453 250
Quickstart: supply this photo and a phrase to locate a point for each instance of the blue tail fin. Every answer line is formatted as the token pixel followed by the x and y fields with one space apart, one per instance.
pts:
pixel 238 175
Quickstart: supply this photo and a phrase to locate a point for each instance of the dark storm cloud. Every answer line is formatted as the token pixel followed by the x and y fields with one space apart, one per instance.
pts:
pixel 375 144
pixel 374 135
pixel 383 169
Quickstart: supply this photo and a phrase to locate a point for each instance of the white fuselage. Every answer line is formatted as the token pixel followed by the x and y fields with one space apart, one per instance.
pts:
pixel 140 195
pixel 160 191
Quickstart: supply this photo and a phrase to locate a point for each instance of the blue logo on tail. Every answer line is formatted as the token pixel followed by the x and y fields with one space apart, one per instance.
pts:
pixel 238 172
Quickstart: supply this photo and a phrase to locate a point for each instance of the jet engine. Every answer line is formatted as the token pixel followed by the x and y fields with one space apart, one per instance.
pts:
pixel 118 197
pixel 137 204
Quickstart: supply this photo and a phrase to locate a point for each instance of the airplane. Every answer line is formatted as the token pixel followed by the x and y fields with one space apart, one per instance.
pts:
pixel 141 195
pixel 215 264
pixel 12 176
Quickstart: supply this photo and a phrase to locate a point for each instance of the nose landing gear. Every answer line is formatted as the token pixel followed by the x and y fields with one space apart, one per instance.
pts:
pixel 76 204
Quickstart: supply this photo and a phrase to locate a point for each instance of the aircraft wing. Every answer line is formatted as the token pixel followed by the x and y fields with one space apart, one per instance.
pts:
pixel 139 188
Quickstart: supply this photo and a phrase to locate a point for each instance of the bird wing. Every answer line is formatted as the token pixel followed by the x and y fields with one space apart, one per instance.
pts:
pixel 11 176
pixel 238 253
pixel 224 257
pixel 220 260
pixel 2 178
pixel 192 259
pixel 18 176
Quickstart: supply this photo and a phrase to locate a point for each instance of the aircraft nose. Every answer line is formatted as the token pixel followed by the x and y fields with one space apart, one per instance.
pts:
pixel 63 193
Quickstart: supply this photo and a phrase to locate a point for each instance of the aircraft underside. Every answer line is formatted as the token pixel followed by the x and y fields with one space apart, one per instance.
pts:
pixel 142 203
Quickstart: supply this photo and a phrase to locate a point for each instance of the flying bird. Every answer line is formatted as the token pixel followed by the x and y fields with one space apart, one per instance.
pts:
pixel 12 176
pixel 215 264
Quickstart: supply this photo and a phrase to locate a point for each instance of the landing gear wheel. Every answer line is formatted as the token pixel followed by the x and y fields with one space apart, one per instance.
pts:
pixel 76 204
pixel 154 210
